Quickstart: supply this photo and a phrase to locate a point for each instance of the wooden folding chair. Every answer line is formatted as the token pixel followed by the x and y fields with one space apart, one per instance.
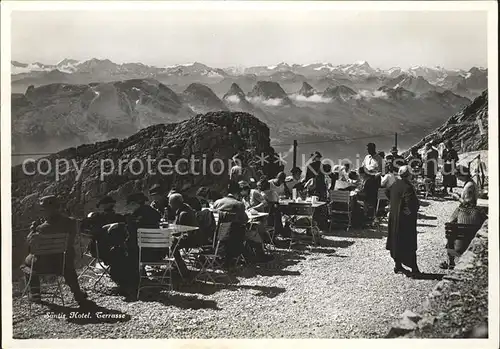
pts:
pixel 380 218
pixel 48 245
pixel 155 238
pixel 338 199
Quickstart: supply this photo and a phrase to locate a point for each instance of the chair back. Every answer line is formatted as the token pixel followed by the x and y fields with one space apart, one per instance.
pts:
pixel 154 238
pixel 341 196
pixel 300 209
pixel 48 244
pixel 458 230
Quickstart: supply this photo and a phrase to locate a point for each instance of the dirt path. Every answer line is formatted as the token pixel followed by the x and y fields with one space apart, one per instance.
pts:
pixel 346 289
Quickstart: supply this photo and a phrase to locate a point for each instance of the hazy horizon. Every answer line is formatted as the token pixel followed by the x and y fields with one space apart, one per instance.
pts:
pixel 455 40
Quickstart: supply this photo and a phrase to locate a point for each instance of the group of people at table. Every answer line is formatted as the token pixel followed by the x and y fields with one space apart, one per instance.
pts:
pixel 257 208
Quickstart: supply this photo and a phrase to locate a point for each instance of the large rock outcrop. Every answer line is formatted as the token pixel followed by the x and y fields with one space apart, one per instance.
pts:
pixel 203 138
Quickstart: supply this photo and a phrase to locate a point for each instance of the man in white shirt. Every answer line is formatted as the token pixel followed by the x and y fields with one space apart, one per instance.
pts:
pixel 372 162
pixel 372 165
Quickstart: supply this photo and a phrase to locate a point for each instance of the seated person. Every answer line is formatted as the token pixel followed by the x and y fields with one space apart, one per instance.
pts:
pixel 94 224
pixel 53 222
pixel 184 215
pixel 278 185
pixel 295 180
pixel 232 246
pixel 389 178
pixel 256 230
pixel 272 202
pixel 159 200
pixel 203 194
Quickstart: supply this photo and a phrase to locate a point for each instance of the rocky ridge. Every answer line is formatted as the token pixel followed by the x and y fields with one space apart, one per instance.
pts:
pixel 217 135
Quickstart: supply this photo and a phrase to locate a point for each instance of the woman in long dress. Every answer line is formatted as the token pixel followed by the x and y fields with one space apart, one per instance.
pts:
pixel 450 159
pixel 402 227
pixel 467 212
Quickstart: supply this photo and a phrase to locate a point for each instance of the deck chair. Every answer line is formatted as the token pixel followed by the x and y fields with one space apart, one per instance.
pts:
pixel 301 221
pixel 46 245
pixel 340 208
pixel 379 219
pixel 212 260
pixel 155 238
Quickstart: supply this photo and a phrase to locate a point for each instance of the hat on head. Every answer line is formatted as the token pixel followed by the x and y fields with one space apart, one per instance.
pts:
pixel 244 185
pixel 49 201
pixel 336 168
pixel 404 171
pixel 106 200
pixel 137 197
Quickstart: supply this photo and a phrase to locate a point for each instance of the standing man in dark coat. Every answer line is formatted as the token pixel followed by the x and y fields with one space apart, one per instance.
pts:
pixel 402 229
pixel 431 166
pixel 450 159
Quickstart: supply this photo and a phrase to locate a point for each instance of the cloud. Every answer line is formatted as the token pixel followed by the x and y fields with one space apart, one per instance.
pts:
pixel 366 94
pixel 272 102
pixel 233 99
pixel 312 99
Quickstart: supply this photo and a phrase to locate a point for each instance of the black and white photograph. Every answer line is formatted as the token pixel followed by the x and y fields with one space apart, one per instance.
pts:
pixel 250 170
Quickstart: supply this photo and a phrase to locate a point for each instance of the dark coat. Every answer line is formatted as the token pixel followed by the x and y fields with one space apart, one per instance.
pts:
pixel 430 165
pixel 450 158
pixel 52 263
pixel 402 229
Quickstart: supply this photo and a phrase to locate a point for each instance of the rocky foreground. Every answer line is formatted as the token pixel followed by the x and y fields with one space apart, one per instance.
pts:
pixel 344 289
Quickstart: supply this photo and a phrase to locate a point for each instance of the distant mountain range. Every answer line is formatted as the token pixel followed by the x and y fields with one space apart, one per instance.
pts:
pixel 359 75
pixel 58 115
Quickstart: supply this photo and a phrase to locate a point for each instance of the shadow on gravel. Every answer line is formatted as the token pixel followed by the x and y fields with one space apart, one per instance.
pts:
pixel 426 225
pixel 208 289
pixel 362 234
pixel 426 217
pixel 89 314
pixel 428 276
pixel 179 300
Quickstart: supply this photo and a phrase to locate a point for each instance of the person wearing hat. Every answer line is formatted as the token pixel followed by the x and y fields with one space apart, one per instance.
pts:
pixel 142 214
pixel 94 223
pixel 430 166
pixel 395 159
pixel 402 226
pixel 314 167
pixel 53 222
pixel 450 159
pixel 158 200
pixel 372 165
pixel 295 180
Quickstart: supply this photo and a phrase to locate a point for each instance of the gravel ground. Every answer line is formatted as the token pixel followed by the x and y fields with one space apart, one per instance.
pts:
pixel 460 306
pixel 344 289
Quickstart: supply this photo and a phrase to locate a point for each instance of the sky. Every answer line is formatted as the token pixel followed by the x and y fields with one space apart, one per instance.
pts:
pixel 455 40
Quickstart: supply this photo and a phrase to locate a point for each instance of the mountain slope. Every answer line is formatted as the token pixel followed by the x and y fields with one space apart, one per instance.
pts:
pixel 202 99
pixel 463 127
pixel 51 117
